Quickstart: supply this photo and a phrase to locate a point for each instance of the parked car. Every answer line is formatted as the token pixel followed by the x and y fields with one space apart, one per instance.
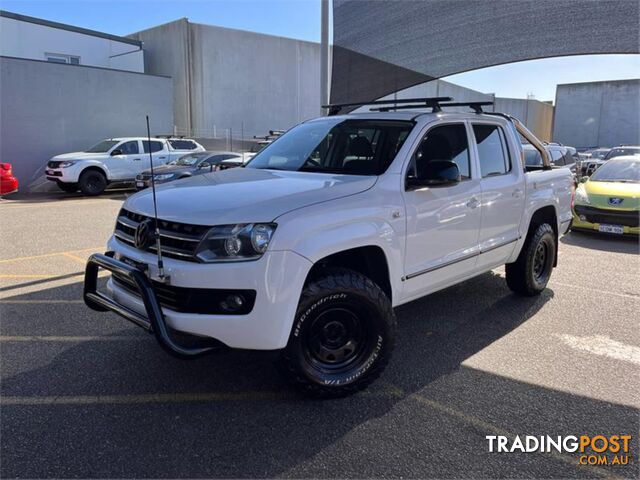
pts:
pixel 310 246
pixel 114 160
pixel 192 164
pixel 609 201
pixel 622 150
pixel 8 183
pixel 595 159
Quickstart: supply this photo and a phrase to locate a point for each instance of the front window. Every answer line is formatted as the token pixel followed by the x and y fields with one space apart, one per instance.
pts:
pixel 618 152
pixel 625 171
pixel 102 147
pixel 188 160
pixel 351 147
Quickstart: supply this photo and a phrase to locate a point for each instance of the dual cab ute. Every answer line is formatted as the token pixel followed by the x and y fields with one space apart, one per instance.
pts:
pixel 115 160
pixel 310 246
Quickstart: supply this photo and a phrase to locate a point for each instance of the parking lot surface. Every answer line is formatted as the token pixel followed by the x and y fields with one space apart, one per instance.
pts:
pixel 85 394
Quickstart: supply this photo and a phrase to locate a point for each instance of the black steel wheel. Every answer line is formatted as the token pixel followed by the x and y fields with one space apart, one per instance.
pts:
pixel 92 182
pixel 531 272
pixel 342 336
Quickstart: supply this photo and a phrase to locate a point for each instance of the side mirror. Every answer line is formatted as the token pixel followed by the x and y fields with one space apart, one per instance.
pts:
pixel 115 152
pixel 436 173
pixel 204 165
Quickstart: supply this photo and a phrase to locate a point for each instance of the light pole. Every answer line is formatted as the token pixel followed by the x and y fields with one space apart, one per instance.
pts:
pixel 324 54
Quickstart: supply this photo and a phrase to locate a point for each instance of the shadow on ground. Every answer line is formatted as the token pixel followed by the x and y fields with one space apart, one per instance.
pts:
pixel 602 242
pixel 426 417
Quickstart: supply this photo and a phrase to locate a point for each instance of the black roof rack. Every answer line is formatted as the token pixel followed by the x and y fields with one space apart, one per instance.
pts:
pixel 169 136
pixel 335 108
pixel 437 107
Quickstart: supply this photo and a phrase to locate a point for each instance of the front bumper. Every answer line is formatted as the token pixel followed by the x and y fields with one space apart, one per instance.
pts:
pixel 277 278
pixel 65 175
pixel 578 224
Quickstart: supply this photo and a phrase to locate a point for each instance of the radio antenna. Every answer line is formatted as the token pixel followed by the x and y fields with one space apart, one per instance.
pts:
pixel 155 206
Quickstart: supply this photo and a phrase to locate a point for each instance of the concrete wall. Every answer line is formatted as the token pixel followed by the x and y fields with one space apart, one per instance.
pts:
pixel 231 79
pixel 598 114
pixel 29 40
pixel 536 115
pixel 47 109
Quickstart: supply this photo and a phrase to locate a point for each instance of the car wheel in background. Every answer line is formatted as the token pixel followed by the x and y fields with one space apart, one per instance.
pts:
pixel 67 187
pixel 530 273
pixel 92 182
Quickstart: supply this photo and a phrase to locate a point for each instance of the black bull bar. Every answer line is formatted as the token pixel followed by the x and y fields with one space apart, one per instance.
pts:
pixel 154 322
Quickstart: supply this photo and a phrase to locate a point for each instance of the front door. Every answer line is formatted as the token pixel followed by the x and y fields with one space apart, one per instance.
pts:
pixel 127 162
pixel 443 223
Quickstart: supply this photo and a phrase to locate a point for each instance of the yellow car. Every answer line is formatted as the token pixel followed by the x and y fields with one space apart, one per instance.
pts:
pixel 609 201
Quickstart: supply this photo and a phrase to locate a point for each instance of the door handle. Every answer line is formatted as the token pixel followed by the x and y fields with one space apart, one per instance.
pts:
pixel 137 159
pixel 517 193
pixel 161 158
pixel 473 203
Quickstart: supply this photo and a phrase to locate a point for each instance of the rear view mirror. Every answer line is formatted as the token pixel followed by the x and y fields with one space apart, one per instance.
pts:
pixel 116 152
pixel 436 173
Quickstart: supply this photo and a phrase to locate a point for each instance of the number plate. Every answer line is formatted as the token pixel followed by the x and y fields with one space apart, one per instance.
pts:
pixel 618 229
pixel 140 184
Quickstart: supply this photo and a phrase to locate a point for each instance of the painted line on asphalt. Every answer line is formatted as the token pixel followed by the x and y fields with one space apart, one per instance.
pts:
pixel 603 346
pixel 72 339
pixel 81 260
pixel 597 290
pixel 489 427
pixel 40 302
pixel 143 398
pixel 52 254
pixel 53 203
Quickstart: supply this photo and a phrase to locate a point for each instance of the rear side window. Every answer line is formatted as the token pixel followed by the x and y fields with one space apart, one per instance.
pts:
pixel 492 150
pixel 556 157
pixel 446 142
pixel 155 146
pixel 183 144
pixel 568 158
pixel 129 148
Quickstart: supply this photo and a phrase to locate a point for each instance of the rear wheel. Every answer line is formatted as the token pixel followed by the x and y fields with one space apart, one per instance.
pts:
pixel 92 182
pixel 530 273
pixel 67 187
pixel 342 337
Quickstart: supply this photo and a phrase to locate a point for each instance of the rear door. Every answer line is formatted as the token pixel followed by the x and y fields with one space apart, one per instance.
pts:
pixel 158 151
pixel 502 199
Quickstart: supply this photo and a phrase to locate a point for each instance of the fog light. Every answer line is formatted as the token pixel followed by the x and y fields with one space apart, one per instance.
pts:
pixel 583 218
pixel 232 303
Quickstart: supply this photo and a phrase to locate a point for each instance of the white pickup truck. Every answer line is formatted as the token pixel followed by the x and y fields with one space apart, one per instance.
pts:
pixel 114 160
pixel 309 248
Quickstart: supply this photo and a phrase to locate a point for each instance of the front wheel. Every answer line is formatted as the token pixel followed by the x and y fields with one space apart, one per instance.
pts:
pixel 342 336
pixel 92 182
pixel 531 272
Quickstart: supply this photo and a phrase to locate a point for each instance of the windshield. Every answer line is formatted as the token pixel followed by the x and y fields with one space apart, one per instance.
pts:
pixel 188 160
pixel 352 147
pixel 102 147
pixel 627 171
pixel 618 152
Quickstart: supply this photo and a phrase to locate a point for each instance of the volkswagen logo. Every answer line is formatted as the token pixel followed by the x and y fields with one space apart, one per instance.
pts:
pixel 615 200
pixel 143 236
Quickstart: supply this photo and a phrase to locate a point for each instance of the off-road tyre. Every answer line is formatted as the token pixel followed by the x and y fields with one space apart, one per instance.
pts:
pixel 92 182
pixel 67 187
pixel 344 315
pixel 530 273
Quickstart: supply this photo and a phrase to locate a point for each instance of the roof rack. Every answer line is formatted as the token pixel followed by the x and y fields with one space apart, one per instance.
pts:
pixel 169 136
pixel 432 102
pixel 437 107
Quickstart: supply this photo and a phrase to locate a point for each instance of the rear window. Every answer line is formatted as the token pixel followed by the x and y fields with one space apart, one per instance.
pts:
pixel 183 144
pixel 155 146
pixel 492 150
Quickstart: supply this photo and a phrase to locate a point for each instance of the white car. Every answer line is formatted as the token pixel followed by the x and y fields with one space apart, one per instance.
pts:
pixel 114 160
pixel 310 246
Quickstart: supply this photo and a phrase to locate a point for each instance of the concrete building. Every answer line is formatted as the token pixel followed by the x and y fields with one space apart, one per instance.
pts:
pixel 37 39
pixel 598 114
pixel 232 81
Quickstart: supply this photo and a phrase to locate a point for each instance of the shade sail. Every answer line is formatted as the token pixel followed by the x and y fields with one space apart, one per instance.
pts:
pixel 384 46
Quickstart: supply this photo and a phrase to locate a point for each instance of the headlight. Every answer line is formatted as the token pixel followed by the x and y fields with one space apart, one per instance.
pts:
pixel 581 196
pixel 67 164
pixel 163 176
pixel 235 242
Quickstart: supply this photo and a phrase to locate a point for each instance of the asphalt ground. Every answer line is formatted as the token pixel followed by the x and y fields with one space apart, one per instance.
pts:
pixel 86 395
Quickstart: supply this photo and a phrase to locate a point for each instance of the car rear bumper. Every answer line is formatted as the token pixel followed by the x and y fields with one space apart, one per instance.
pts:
pixel 277 279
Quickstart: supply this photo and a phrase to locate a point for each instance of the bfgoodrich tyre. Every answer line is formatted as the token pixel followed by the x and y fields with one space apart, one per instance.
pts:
pixel 530 273
pixel 342 336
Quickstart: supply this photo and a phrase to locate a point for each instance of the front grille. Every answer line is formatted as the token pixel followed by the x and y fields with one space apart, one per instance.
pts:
pixel 610 217
pixel 53 164
pixel 179 240
pixel 206 301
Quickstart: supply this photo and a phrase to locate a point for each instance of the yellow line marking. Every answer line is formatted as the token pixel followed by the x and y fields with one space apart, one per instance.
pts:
pixel 28 276
pixel 143 398
pixel 53 203
pixel 53 254
pixel 75 257
pixel 486 426
pixel 33 338
pixel 38 302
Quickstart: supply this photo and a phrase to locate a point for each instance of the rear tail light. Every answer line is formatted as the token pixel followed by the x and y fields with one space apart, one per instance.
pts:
pixel 6 167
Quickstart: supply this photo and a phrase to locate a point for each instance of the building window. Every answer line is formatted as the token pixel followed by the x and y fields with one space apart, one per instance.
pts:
pixel 61 58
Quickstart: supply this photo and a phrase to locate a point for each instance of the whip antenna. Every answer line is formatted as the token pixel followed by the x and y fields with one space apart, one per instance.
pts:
pixel 155 206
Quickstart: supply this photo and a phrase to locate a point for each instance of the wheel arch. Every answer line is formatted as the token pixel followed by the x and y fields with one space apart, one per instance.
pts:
pixel 545 214
pixel 95 168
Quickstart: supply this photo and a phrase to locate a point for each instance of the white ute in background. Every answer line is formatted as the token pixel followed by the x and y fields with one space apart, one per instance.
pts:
pixel 310 246
pixel 114 160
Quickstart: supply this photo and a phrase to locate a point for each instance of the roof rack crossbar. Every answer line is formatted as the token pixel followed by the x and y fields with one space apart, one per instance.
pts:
pixel 335 108
pixel 476 106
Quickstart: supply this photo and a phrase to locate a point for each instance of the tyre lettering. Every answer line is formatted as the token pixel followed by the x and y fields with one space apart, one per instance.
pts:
pixel 303 317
